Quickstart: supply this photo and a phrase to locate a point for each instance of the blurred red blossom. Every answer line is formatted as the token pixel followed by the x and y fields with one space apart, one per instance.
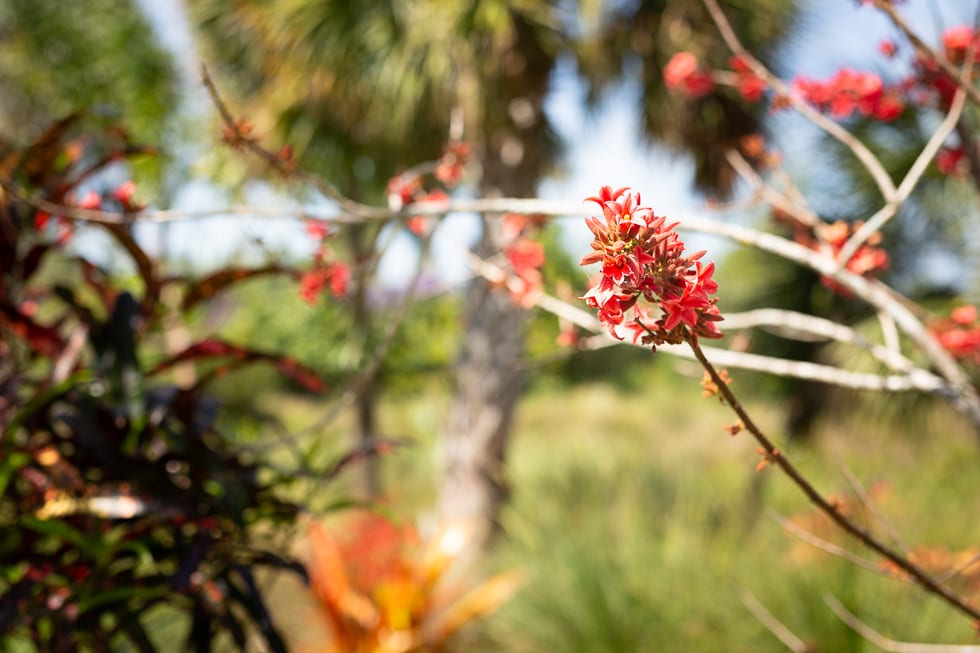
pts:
pixel 959 334
pixel 682 73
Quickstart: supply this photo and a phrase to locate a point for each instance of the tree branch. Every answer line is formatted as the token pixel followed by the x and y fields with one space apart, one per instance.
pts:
pixel 871 163
pixel 776 457
pixel 885 643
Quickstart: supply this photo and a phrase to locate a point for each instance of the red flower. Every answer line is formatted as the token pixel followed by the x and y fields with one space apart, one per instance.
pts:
pixel 956 40
pixel 679 69
pixel 402 190
pixel 960 334
pixel 90 201
pixel 417 224
pixel 449 169
pixel 750 87
pixel 317 229
pixel 334 276
pixel 964 315
pixel 643 257
pixel 525 254
pixel 888 48
pixel 124 195
pixel 681 72
pixel 951 161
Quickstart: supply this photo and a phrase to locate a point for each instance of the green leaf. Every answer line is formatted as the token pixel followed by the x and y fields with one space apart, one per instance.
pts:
pixel 10 464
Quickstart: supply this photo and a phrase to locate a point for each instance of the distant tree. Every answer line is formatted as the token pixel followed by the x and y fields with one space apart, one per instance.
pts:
pixel 98 55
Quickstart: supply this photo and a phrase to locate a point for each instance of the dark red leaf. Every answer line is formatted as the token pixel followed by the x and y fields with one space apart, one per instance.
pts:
pixel 42 339
pixel 220 280
pixel 213 348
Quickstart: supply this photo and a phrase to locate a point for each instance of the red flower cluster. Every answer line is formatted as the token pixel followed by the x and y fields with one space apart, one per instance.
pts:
pixel 952 161
pixel 849 91
pixel 830 238
pixel 325 273
pixel 449 169
pixel 643 257
pixel 526 258
pixel 682 72
pixel 749 86
pixel 334 276
pixel 956 41
pixel 960 334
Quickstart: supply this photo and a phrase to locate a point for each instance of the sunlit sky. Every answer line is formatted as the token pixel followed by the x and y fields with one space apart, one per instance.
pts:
pixel 603 147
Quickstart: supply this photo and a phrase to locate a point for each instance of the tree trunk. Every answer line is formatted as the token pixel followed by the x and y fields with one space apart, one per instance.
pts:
pixel 362 243
pixel 489 380
pixel 488 384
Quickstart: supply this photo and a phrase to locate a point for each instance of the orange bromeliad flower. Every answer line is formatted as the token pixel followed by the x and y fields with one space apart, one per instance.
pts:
pixel 383 589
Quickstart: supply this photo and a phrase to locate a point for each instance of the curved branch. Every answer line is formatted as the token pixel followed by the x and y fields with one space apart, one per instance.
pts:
pixel 912 177
pixel 871 163
pixel 886 644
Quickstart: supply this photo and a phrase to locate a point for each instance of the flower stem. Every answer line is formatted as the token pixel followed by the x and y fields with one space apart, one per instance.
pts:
pixel 776 457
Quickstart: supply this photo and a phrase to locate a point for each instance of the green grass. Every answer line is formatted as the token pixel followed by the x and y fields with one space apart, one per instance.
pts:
pixel 639 521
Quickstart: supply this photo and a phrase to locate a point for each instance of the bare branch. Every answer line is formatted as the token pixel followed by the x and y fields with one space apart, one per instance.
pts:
pixel 871 163
pixel 912 177
pixel 776 457
pixel 790 323
pixel 886 644
pixel 774 625
pixel 870 505
pixel 913 379
pixel 827 547
pixel 794 206
pixel 888 7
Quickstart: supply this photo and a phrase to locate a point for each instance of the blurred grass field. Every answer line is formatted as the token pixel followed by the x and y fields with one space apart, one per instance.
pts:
pixel 640 522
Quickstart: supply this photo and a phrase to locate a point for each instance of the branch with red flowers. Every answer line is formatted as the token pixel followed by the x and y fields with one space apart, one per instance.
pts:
pixel 651 288
pixel 788 323
pixel 957 386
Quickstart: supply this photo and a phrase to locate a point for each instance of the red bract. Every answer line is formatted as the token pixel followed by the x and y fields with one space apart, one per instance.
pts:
pixel 749 86
pixel 642 257
pixel 830 238
pixel 525 257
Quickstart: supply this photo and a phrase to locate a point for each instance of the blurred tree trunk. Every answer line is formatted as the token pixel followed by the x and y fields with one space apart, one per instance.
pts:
pixel 489 378
pixel 362 240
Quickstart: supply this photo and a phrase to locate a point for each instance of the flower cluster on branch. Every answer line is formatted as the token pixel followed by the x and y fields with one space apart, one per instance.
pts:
pixel 643 257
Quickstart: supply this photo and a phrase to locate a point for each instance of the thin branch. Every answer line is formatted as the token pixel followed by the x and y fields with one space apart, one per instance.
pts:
pixel 871 291
pixel 888 7
pixel 827 547
pixel 776 457
pixel 866 501
pixel 788 323
pixel 912 177
pixel 962 568
pixel 774 625
pixel 791 206
pixel 885 643
pixel 871 163
pixel 913 379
